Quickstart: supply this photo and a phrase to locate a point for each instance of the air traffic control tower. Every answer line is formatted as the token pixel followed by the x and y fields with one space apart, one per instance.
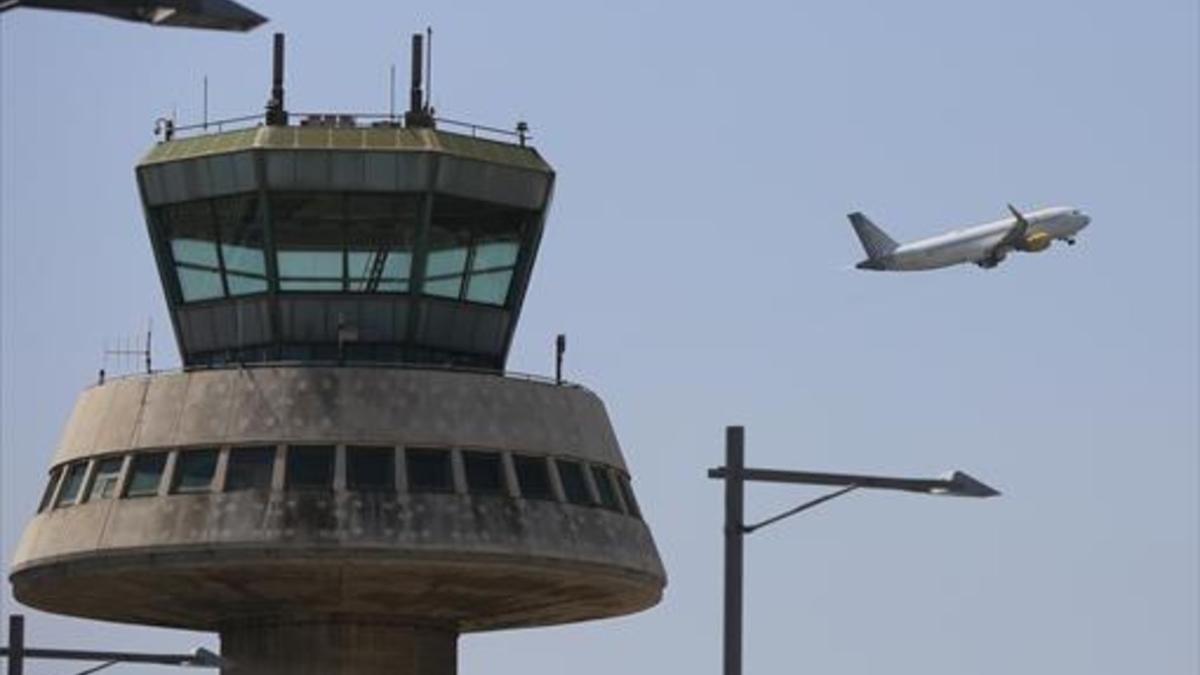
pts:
pixel 342 478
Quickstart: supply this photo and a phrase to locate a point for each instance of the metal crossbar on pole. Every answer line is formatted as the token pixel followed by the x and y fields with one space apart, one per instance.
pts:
pixel 735 474
pixel 16 653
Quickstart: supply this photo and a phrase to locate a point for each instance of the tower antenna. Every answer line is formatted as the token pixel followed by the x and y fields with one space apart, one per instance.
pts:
pixel 428 68
pixel 276 113
pixel 392 94
pixel 418 114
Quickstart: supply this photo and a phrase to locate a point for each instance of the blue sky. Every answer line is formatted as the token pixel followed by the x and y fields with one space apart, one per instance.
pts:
pixel 695 255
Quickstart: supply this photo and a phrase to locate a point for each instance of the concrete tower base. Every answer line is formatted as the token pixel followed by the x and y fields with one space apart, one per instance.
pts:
pixel 339 645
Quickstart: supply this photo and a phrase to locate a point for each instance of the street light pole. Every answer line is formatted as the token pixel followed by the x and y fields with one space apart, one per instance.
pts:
pixel 735 474
pixel 16 653
pixel 734 533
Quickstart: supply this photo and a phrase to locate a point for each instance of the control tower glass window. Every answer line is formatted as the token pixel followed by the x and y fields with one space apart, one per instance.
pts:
pixel 380 230
pixel 191 233
pixel 573 481
pixel 194 470
pixel 429 470
pixel 332 242
pixel 308 240
pixel 484 471
pixel 215 246
pixel 533 476
pixel 604 488
pixel 72 484
pixel 250 468
pixel 104 481
pixel 310 467
pixel 146 474
pixel 50 485
pixel 627 494
pixel 370 469
pixel 473 250
pixel 242 249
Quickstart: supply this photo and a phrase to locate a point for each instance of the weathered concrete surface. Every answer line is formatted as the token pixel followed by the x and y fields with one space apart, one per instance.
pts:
pixel 467 563
pixel 456 562
pixel 388 406
pixel 336 645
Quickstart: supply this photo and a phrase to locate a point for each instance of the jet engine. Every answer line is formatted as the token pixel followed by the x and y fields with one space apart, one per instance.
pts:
pixel 1036 242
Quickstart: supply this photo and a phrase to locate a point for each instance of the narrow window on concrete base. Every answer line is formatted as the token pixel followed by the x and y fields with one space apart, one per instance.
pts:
pixel 604 488
pixel 250 468
pixel 72 484
pixel 485 473
pixel 104 481
pixel 573 481
pixel 631 504
pixel 194 470
pixel 370 469
pixel 533 477
pixel 310 467
pixel 50 485
pixel 429 470
pixel 146 474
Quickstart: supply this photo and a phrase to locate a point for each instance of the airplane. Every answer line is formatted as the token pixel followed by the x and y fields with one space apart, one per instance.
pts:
pixel 211 14
pixel 985 245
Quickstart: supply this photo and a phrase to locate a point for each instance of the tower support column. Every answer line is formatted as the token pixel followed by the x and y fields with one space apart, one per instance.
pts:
pixel 336 645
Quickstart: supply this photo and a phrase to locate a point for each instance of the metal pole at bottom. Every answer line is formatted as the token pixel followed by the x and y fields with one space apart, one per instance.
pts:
pixel 734 502
pixel 16 644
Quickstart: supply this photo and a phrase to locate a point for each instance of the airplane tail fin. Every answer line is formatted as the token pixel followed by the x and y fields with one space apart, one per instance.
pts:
pixel 875 241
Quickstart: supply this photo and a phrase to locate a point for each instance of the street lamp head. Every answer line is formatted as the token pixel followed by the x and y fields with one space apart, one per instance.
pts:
pixel 962 484
pixel 203 658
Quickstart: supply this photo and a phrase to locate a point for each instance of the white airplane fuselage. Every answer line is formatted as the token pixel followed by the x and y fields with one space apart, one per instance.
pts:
pixel 980 244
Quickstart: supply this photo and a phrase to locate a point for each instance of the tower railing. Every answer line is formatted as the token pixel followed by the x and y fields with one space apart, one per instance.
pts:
pixel 168 130
pixel 348 363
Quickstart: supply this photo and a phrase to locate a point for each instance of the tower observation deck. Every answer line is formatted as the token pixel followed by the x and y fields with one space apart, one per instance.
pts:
pixel 342 478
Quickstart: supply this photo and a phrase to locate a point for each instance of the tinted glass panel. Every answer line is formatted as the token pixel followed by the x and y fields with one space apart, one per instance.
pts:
pixel 309 241
pixel 380 231
pixel 310 467
pixel 490 288
pixel 50 485
pixel 338 241
pixel 195 252
pixel 194 470
pixel 429 470
pixel 250 468
pixel 370 469
pixel 190 231
pixel 473 249
pixel 533 477
pixel 145 474
pixel 216 245
pixel 573 481
pixel 240 284
pixel 446 261
pixel 104 481
pixel 485 472
pixel 72 484
pixel 604 488
pixel 197 284
pixel 495 254
pixel 242 244
pixel 444 288
pixel 627 492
